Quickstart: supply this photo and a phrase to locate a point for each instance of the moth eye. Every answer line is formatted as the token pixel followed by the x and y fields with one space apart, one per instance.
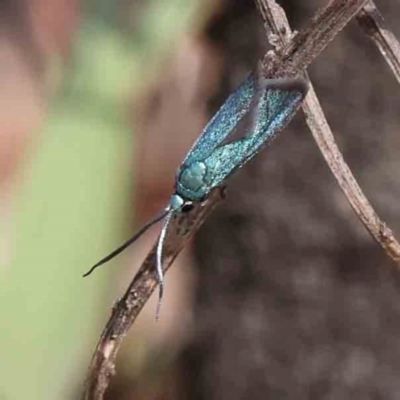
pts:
pixel 187 207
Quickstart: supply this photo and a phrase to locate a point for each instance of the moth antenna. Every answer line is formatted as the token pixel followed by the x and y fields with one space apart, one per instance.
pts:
pixel 160 273
pixel 121 248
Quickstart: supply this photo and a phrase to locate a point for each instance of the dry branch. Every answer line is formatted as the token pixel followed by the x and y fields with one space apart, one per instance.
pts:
pixel 279 33
pixel 294 58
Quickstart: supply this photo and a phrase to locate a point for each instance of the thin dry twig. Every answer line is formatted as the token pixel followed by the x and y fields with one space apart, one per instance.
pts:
pixel 373 24
pixel 294 58
pixel 181 228
pixel 298 53
pixel 279 33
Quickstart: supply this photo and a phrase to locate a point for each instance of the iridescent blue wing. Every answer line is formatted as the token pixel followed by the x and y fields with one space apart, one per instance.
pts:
pixel 223 122
pixel 277 103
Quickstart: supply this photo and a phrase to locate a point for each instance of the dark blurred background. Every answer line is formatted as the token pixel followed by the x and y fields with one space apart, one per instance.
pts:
pixel 281 295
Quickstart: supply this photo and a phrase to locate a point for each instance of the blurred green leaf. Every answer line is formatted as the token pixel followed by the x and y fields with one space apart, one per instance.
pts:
pixel 72 209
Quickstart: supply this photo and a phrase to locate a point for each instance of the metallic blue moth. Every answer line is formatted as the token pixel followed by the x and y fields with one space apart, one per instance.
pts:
pixel 265 106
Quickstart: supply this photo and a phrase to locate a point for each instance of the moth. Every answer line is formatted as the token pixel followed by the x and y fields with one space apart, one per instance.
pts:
pixel 248 120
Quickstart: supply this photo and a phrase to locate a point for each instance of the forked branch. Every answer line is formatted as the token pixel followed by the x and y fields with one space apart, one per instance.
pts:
pixel 279 34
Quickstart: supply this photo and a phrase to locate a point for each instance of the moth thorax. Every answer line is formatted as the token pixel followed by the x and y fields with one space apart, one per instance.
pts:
pixel 192 176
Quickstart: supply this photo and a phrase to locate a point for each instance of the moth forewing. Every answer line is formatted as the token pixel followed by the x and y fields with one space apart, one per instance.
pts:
pixel 258 115
pixel 223 122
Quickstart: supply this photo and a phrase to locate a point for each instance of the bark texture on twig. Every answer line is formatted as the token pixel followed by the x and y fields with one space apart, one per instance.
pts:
pixel 373 24
pixel 126 309
pixel 279 33
pixel 295 57
pixel 308 43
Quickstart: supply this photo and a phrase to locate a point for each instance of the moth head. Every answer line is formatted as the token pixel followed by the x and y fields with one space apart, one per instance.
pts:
pixel 177 203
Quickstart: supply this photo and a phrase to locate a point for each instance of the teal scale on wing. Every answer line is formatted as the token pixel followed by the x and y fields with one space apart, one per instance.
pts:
pixel 191 177
pixel 274 104
pixel 275 108
pixel 223 122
